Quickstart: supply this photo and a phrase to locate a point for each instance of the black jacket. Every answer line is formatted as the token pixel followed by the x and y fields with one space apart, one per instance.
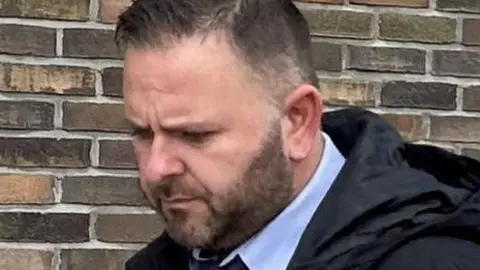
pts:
pixel 394 206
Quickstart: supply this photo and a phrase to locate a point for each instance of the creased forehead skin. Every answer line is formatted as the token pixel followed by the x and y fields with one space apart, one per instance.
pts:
pixel 200 76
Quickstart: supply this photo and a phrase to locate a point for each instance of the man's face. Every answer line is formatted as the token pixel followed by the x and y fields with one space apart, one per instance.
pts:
pixel 209 149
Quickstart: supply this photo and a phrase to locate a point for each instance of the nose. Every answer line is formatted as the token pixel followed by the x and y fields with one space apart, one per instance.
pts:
pixel 161 162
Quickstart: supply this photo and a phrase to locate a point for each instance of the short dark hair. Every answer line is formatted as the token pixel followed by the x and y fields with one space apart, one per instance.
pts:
pixel 271 36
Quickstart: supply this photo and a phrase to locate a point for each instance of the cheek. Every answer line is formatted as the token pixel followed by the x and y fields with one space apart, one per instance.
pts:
pixel 221 167
pixel 218 174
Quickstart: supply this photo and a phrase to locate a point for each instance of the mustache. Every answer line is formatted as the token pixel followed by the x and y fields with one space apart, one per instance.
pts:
pixel 176 188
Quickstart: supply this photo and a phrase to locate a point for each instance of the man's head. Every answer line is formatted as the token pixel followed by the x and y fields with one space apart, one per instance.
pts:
pixel 226 113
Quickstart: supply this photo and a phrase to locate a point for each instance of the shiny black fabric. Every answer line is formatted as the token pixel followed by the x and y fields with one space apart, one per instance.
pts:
pixel 235 264
pixel 393 206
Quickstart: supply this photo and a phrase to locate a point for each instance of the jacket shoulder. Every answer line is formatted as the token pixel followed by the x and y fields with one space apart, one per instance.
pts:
pixel 160 254
pixel 439 253
pixel 145 258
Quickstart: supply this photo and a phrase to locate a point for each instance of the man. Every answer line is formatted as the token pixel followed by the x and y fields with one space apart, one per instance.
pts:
pixel 236 154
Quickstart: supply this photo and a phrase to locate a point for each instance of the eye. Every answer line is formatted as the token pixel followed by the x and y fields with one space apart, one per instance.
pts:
pixel 195 136
pixel 143 133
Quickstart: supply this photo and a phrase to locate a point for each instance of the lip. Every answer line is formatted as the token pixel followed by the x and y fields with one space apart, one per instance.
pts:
pixel 177 200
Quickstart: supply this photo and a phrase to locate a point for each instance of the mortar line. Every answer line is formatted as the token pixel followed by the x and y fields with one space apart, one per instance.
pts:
pixel 59 42
pixel 93 11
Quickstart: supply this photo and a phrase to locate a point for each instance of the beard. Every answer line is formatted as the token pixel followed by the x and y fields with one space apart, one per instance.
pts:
pixel 223 221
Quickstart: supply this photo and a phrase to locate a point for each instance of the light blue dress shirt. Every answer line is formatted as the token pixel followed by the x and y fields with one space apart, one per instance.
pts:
pixel 273 246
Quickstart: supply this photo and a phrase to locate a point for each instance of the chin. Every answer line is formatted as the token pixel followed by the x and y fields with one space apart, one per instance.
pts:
pixel 190 232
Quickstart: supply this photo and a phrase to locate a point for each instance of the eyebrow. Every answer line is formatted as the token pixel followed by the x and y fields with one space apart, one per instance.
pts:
pixel 177 126
pixel 190 125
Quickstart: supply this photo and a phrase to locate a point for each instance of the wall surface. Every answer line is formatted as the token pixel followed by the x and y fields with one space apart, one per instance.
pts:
pixel 68 192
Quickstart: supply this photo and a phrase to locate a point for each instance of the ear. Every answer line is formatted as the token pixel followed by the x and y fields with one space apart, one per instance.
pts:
pixel 302 111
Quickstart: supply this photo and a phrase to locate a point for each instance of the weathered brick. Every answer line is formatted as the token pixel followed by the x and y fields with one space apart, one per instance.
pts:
pixel 112 82
pixel 117 155
pixel 47 79
pixel 102 190
pixel 419 95
pixel 472 152
pixel 386 59
pixel 339 23
pixel 38 227
pixel 335 2
pixel 410 127
pixel 27 40
pixel 456 63
pixel 455 128
pixel 347 93
pixel 45 152
pixel 110 9
pixel 24 259
pixel 135 228
pixel 46 9
pixel 104 259
pixel 427 29
pixel 459 5
pixel 32 115
pixel 100 43
pixel 94 117
pixel 471 98
pixel 26 189
pixel 471 32
pixel 327 56
pixel 399 3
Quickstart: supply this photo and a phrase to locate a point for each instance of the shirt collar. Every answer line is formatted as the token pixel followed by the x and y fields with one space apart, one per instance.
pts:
pixel 273 246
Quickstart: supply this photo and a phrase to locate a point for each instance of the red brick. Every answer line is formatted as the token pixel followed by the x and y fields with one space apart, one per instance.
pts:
pixel 386 59
pixel 455 128
pixel 456 63
pixel 23 115
pixel 26 189
pixel 117 155
pixel 423 95
pixel 38 228
pixel 470 6
pixel 45 152
pixel 110 9
pixel 134 228
pixel 49 79
pixel 471 98
pixel 102 190
pixel 76 10
pixel 402 27
pixel 25 259
pixel 347 93
pixel 327 56
pixel 27 40
pixel 410 127
pixel 339 23
pixel 112 82
pixel 100 44
pixel 94 117
pixel 471 32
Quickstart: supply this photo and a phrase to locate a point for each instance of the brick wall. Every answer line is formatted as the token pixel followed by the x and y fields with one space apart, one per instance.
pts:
pixel 68 194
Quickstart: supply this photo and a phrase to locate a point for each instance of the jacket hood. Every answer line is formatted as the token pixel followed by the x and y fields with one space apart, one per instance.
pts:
pixel 388 192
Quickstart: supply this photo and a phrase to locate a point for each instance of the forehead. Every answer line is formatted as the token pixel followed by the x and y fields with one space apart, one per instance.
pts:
pixel 196 77
pixel 192 59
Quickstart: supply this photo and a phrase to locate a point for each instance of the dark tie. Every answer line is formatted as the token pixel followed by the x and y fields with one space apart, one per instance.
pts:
pixel 235 264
